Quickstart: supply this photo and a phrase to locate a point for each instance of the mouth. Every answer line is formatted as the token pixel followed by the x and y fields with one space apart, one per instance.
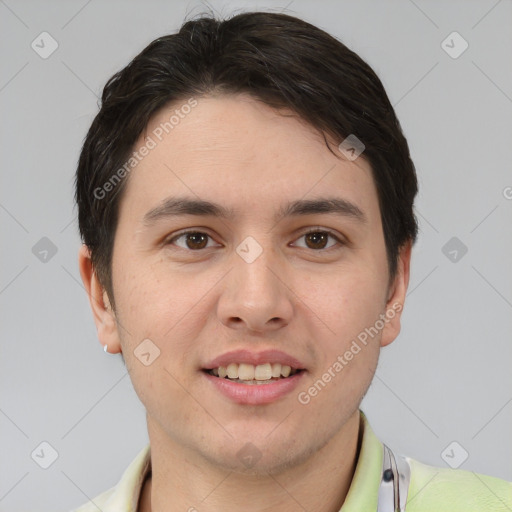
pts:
pixel 254 378
pixel 249 374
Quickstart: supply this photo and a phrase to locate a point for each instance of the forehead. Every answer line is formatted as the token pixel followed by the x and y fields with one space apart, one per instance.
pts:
pixel 238 149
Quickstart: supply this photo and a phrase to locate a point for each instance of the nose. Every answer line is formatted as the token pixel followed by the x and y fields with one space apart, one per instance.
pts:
pixel 255 296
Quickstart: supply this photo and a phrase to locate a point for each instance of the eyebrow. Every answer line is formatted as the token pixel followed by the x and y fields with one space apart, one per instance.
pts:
pixel 175 206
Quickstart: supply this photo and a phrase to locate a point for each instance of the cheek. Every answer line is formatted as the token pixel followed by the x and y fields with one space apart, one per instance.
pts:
pixel 347 350
pixel 348 303
pixel 346 300
pixel 163 306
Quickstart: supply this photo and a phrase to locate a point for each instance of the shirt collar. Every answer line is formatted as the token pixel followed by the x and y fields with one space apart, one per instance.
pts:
pixel 364 489
pixel 362 494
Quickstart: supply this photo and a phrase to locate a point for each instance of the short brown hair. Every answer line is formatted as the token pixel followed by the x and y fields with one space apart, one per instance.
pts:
pixel 279 59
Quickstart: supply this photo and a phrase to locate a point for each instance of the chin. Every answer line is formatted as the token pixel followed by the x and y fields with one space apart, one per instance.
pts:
pixel 259 455
pixel 249 460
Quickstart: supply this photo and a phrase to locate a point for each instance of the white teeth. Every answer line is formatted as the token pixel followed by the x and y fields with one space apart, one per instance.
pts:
pixel 250 374
pixel 246 371
pixel 232 370
pixel 263 372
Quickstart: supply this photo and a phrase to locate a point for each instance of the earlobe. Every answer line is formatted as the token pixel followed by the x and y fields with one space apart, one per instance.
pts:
pixel 103 314
pixel 396 297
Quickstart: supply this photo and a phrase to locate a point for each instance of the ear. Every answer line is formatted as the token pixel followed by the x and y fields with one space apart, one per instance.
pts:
pixel 396 296
pixel 104 316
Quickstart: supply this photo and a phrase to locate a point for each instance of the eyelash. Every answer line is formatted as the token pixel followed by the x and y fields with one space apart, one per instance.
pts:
pixel 329 233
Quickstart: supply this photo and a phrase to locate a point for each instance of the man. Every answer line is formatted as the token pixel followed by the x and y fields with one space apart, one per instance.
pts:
pixel 245 200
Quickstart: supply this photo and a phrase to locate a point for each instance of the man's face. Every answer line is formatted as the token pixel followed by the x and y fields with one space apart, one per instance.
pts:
pixel 253 280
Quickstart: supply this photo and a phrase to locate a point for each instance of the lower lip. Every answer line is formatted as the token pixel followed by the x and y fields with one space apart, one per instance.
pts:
pixel 255 394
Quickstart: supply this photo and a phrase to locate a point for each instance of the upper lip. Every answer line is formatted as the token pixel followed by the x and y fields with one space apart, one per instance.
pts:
pixel 254 358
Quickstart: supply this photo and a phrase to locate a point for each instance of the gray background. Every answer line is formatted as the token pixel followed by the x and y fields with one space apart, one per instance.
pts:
pixel 447 378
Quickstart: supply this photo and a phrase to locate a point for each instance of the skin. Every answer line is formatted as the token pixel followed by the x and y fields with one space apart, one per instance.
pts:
pixel 195 304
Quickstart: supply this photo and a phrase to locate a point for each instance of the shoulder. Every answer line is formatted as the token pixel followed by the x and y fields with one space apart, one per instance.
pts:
pixel 125 494
pixel 455 490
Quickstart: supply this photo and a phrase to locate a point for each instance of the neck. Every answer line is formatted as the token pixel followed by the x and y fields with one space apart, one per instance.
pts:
pixel 182 480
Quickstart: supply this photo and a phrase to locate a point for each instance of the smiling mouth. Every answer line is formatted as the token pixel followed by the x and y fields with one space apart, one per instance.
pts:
pixel 254 375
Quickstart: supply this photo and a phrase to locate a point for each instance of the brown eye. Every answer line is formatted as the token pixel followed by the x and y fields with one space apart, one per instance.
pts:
pixel 196 240
pixel 192 240
pixel 317 240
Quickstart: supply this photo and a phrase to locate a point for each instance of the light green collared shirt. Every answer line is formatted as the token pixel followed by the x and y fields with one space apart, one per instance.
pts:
pixel 431 489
